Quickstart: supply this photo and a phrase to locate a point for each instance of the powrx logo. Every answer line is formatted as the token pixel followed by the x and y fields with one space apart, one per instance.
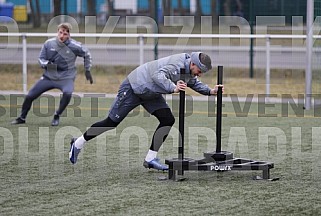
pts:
pixel 220 168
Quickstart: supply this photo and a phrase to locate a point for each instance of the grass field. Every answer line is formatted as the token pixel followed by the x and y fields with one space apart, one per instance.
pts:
pixel 109 179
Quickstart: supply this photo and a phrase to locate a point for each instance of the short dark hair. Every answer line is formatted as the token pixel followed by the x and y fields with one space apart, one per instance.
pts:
pixel 66 26
pixel 206 60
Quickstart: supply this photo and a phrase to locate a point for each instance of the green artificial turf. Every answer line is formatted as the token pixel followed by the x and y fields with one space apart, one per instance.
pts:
pixel 36 177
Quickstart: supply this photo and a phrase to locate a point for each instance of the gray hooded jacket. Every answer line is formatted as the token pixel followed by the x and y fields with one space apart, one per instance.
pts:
pixel 160 77
pixel 58 59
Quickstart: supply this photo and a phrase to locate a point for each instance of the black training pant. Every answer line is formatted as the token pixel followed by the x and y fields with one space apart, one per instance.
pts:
pixel 66 86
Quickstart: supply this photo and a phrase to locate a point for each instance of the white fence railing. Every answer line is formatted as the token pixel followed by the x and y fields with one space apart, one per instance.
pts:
pixel 141 46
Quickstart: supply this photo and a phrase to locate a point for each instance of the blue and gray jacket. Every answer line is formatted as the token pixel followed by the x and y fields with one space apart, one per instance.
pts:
pixel 160 76
pixel 58 59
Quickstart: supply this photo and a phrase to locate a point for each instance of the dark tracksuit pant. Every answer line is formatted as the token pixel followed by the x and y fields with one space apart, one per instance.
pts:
pixel 44 84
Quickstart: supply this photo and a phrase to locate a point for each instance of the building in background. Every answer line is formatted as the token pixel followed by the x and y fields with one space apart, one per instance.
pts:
pixel 214 8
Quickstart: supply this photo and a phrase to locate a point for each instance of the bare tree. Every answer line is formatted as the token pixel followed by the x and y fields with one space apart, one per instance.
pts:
pixel 213 12
pixel 35 12
pixel 181 10
pixel 198 10
pixel 166 7
pixel 110 4
pixel 227 8
pixel 57 7
pixel 91 7
pixel 152 8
